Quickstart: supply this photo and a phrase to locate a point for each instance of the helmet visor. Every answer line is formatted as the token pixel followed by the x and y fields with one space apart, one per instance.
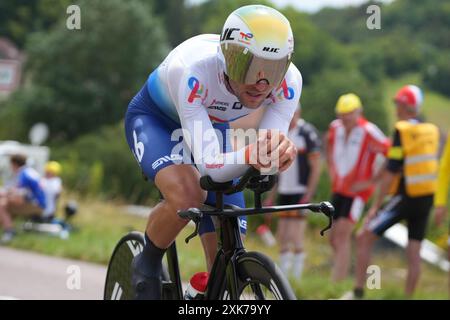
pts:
pixel 244 67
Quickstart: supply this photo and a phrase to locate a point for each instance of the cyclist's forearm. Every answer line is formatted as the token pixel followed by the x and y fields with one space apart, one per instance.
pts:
pixel 224 167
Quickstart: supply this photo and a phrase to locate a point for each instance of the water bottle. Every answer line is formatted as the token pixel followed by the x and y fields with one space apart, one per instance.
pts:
pixel 197 286
pixel 266 235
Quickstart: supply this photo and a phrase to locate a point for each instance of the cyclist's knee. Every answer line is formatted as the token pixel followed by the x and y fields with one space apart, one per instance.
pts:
pixel 184 195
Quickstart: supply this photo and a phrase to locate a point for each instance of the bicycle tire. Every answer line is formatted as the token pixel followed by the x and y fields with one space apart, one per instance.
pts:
pixel 256 271
pixel 118 278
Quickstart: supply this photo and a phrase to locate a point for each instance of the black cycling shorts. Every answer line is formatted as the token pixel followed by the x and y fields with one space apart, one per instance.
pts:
pixel 347 207
pixel 401 207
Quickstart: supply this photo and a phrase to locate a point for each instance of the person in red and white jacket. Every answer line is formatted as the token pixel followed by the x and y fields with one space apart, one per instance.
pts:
pixel 352 146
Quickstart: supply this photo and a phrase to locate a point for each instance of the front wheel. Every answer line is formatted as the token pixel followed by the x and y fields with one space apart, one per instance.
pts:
pixel 259 278
pixel 118 278
pixel 118 284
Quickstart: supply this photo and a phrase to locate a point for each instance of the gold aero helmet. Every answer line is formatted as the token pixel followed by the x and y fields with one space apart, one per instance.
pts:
pixel 256 44
pixel 347 103
pixel 53 167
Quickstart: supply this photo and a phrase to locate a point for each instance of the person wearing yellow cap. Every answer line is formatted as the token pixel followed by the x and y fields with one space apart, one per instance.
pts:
pixel 52 186
pixel 441 195
pixel 352 146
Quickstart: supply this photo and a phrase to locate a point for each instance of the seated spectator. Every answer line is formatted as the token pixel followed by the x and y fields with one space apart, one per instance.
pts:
pixel 25 198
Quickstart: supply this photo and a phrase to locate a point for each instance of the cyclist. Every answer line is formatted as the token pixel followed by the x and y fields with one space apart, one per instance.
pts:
pixel 297 185
pixel 353 144
pixel 441 195
pixel 411 173
pixel 204 83
pixel 25 198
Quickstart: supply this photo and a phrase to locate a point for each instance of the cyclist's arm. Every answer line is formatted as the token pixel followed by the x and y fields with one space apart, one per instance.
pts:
pixel 200 135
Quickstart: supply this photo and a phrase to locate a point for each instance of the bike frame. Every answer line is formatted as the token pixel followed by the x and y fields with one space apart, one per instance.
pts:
pixel 230 247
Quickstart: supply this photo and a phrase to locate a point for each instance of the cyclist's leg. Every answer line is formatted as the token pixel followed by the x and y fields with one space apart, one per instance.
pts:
pixel 149 137
pixel 389 215
pixel 417 220
pixel 179 185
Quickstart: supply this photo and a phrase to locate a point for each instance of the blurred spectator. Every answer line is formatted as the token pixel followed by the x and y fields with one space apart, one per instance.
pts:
pixel 410 175
pixel 352 146
pixel 25 198
pixel 441 195
pixel 52 186
pixel 297 185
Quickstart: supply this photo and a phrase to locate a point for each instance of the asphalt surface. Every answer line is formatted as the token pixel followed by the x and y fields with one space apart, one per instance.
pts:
pixel 32 276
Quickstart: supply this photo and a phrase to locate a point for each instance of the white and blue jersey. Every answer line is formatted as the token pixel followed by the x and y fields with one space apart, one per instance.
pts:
pixel 28 179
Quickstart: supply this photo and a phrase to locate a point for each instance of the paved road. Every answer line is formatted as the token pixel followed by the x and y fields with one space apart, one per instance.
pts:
pixel 27 275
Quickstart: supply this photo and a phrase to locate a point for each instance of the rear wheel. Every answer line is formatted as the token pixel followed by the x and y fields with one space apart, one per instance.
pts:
pixel 260 279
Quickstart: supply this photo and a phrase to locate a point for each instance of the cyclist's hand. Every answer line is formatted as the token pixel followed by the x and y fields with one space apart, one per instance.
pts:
pixel 268 202
pixel 258 154
pixel 284 153
pixel 440 213
pixel 272 152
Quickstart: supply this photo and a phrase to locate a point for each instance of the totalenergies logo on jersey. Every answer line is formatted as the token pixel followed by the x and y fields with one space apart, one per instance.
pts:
pixel 285 92
pixel 197 89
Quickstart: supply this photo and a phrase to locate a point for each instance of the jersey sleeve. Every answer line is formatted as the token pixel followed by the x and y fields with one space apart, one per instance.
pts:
pixel 199 134
pixel 395 154
pixel 441 195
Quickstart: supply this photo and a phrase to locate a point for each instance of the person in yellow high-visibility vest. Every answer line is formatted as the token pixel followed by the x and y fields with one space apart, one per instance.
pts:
pixel 441 195
pixel 411 168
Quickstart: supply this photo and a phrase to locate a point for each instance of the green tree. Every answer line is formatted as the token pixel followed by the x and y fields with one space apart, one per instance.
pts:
pixel 18 18
pixel 314 50
pixel 90 75
pixel 436 73
pixel 101 163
